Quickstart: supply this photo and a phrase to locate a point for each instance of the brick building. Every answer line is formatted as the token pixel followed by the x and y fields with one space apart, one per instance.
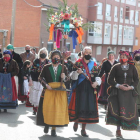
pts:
pixel 115 23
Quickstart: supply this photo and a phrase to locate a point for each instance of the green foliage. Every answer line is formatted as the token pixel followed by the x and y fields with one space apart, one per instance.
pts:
pixel 87 26
pixel 50 12
pixel 75 10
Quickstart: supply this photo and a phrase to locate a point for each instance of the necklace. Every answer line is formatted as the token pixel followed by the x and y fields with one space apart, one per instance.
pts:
pixel 125 67
pixel 55 71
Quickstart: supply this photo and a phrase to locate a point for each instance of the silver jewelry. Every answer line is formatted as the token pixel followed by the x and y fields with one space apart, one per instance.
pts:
pixel 125 68
pixel 55 71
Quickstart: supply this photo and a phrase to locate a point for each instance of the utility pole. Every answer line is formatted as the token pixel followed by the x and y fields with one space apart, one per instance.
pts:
pixel 13 22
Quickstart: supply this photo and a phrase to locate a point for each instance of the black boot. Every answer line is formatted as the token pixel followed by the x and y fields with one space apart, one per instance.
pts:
pixel 75 127
pixel 5 110
pixel 53 133
pixel 83 133
pixel 46 129
pixel 34 113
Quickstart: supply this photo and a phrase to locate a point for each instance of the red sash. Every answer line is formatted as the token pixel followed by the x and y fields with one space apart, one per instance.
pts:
pixel 86 68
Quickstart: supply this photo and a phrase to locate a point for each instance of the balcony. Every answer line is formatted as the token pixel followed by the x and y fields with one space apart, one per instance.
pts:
pixel 122 1
pixel 127 41
pixel 121 20
pixel 120 40
pixel 100 17
pixel 131 2
pixel 136 22
pixel 94 40
pixel 106 40
pixel 115 19
pixel 108 18
pixel 127 21
pixel 114 41
pixel 131 21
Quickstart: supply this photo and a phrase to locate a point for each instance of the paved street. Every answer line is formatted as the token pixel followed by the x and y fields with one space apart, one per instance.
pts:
pixel 20 124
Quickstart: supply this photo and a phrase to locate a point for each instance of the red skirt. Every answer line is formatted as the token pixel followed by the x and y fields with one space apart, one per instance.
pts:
pixel 14 90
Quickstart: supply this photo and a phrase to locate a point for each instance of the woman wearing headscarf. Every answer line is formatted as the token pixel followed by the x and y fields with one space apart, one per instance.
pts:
pixel 8 92
pixel 122 108
pixel 105 69
pixel 53 105
pixel 136 56
pixel 36 88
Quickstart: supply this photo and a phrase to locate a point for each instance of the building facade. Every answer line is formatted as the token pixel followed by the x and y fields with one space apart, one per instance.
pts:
pixel 115 23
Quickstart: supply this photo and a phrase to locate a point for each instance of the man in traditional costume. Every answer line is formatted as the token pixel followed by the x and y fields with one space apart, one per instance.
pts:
pixel 8 93
pixel 53 106
pixel 136 56
pixel 83 107
pixel 122 107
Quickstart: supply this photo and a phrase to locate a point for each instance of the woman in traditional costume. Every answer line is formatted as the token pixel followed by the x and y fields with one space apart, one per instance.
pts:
pixel 122 106
pixel 25 80
pixel 105 69
pixel 136 56
pixel 8 92
pixel 83 107
pixel 101 91
pixel 36 88
pixel 53 105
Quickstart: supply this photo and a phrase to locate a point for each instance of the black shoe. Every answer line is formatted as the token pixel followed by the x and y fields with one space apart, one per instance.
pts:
pixel 83 133
pixel 75 127
pixel 34 113
pixel 53 133
pixel 5 110
pixel 46 129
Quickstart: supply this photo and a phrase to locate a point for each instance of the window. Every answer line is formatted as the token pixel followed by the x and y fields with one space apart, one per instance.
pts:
pixel 127 11
pixel 130 33
pixel 98 50
pixel 114 31
pixel 108 49
pixel 68 46
pixel 121 13
pixel 96 31
pixel 115 50
pixel 120 30
pixel 115 11
pixel 108 10
pixel 132 15
pixel 100 5
pixel 130 49
pixel 125 33
pixel 107 30
pixel 137 16
pixel 50 46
